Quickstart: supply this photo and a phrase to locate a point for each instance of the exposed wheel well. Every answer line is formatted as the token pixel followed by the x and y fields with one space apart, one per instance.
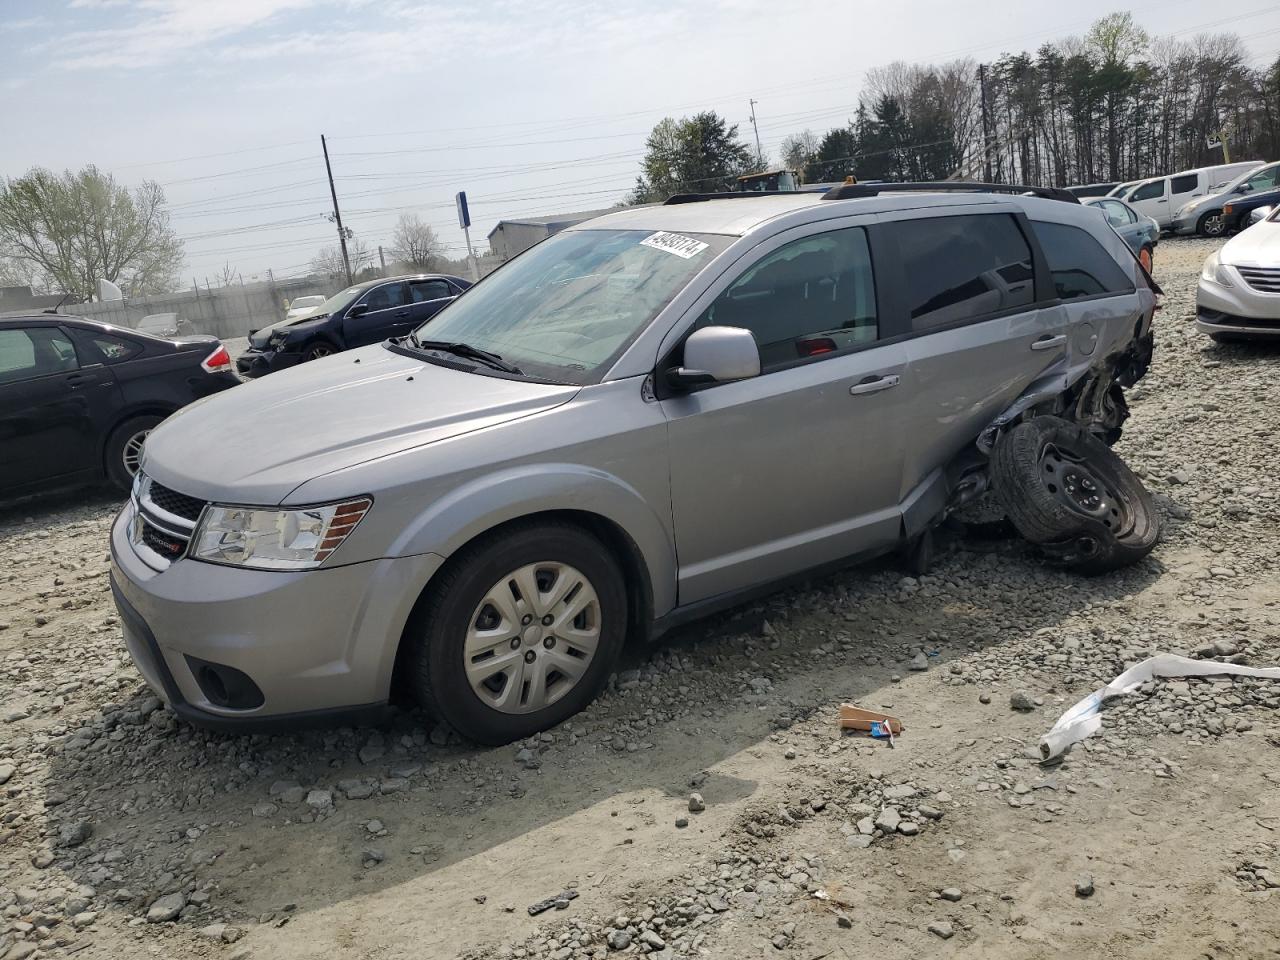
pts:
pixel 634 570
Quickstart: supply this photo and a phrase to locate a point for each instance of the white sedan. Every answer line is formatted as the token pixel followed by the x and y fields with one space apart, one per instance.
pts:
pixel 1239 292
pixel 301 306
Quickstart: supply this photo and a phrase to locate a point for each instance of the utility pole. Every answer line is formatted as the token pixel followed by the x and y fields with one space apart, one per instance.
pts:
pixel 383 260
pixel 337 216
pixel 986 155
pixel 756 128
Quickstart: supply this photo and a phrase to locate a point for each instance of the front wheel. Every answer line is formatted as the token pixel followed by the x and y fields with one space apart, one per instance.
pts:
pixel 519 632
pixel 124 449
pixel 1212 225
pixel 318 350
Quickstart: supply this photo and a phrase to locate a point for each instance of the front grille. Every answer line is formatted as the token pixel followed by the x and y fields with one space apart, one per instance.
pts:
pixel 179 504
pixel 164 521
pixel 165 544
pixel 1262 279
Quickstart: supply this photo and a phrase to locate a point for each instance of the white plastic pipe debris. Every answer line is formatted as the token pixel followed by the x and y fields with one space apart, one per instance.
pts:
pixel 1084 719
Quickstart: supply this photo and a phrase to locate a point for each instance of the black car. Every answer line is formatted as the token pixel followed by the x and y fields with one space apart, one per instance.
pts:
pixel 78 397
pixel 1235 212
pixel 367 313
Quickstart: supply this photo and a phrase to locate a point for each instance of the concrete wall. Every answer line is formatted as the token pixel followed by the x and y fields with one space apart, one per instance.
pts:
pixel 224 312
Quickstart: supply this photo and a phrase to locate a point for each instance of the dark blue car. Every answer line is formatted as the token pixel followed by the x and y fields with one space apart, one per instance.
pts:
pixel 360 315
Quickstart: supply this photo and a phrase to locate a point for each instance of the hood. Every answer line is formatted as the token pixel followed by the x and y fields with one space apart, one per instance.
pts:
pixel 1257 246
pixel 257 442
pixel 260 336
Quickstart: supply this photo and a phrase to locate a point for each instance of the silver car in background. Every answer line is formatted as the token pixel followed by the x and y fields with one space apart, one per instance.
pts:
pixel 1238 297
pixel 649 416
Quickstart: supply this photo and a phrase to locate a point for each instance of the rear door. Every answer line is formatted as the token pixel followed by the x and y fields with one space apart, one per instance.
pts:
pixel 801 465
pixel 387 311
pixel 427 297
pixel 978 324
pixel 52 410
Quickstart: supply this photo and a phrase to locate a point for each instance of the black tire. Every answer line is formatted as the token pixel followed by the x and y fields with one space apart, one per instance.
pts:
pixel 436 672
pixel 318 349
pixel 1212 224
pixel 118 468
pixel 1043 472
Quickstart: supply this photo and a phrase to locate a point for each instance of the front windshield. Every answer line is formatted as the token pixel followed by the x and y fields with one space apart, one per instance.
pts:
pixel 339 300
pixel 567 308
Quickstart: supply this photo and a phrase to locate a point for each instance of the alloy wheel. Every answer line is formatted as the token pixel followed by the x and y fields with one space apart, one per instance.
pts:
pixel 532 637
pixel 132 454
pixel 1214 225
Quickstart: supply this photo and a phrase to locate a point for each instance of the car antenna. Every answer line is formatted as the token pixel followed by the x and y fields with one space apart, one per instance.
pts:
pixel 54 308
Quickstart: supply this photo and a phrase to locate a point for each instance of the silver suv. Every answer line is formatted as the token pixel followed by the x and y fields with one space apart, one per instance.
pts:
pixel 646 417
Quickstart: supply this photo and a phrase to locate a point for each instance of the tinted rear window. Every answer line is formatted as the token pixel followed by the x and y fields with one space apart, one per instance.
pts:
pixel 1184 184
pixel 1081 267
pixel 961 268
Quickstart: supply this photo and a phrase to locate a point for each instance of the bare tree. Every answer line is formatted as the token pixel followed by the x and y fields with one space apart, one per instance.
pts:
pixel 328 260
pixel 228 275
pixel 413 242
pixel 76 228
pixel 799 149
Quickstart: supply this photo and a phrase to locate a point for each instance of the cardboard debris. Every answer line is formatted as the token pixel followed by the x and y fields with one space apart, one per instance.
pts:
pixel 1084 719
pixel 855 718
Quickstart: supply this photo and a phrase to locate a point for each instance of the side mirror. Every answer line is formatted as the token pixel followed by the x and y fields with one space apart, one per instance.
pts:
pixel 1260 213
pixel 359 310
pixel 716 355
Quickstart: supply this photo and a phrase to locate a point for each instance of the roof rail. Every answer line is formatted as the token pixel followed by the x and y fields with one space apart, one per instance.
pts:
pixel 851 191
pixel 725 195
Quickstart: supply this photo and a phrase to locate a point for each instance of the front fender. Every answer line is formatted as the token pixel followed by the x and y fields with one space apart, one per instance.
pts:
pixel 479 505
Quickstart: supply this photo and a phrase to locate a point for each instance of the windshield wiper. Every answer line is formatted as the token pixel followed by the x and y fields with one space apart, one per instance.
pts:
pixel 466 350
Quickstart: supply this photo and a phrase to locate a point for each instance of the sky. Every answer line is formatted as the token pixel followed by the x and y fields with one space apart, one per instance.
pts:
pixel 532 107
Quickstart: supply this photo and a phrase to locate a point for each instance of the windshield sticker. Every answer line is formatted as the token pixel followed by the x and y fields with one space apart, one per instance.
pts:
pixel 684 247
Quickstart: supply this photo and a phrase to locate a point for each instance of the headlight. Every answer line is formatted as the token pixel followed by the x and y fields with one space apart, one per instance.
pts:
pixel 1215 272
pixel 275 539
pixel 1188 207
pixel 276 340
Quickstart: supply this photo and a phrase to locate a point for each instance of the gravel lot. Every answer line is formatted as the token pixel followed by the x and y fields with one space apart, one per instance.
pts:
pixel 124 833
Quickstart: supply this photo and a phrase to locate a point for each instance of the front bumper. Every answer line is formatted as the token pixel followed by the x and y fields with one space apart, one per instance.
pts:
pixel 1237 309
pixel 320 645
pixel 258 362
pixel 1185 223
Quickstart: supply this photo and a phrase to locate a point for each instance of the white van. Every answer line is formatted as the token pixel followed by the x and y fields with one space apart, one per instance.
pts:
pixel 1162 197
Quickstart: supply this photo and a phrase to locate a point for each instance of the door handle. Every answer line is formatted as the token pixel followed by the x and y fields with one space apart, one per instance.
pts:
pixel 875 384
pixel 403 313
pixel 1163 200
pixel 78 379
pixel 1049 342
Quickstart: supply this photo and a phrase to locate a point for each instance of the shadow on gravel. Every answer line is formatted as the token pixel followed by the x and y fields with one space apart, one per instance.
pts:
pixel 76 502
pixel 170 805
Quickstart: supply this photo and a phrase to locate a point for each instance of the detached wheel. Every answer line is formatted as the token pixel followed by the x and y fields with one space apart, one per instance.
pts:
pixel 318 350
pixel 520 632
pixel 1212 225
pixel 1066 491
pixel 124 450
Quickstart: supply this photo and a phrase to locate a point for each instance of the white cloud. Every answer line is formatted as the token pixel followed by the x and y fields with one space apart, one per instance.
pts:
pixel 160 31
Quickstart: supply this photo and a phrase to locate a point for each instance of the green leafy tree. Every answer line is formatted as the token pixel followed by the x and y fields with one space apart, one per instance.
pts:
pixel 700 154
pixel 72 229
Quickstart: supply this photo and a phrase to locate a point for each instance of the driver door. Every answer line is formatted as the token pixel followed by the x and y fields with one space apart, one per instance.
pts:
pixel 801 465
pixel 387 309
